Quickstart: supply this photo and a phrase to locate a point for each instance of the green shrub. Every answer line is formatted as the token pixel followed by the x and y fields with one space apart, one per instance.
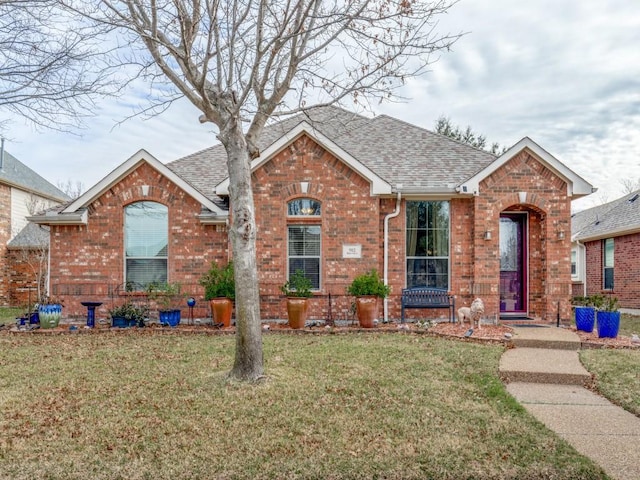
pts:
pixel 219 282
pixel 297 286
pixel 368 284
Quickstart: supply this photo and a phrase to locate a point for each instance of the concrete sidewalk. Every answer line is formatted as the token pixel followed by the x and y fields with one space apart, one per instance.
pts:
pixel 545 375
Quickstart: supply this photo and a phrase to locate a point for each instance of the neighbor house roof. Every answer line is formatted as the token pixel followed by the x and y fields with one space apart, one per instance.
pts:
pixel 613 219
pixel 31 236
pixel 17 174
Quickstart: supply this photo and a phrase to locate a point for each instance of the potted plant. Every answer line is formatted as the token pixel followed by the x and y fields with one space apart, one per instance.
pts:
pixel 585 313
pixel 367 288
pixel 128 315
pixel 298 290
pixel 220 291
pixel 49 312
pixel 165 295
pixel 608 318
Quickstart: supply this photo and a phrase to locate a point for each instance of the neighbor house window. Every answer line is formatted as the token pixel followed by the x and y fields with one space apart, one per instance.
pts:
pixel 146 239
pixel 427 246
pixel 607 248
pixel 574 263
pixel 303 239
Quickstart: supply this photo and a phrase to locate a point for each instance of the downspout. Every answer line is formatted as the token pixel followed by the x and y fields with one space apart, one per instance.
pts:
pixel 393 214
pixel 2 154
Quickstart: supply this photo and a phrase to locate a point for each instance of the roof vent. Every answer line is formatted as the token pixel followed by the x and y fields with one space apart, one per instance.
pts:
pixel 634 198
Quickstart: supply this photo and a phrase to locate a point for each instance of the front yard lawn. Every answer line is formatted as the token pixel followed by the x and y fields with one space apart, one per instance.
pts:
pixel 147 406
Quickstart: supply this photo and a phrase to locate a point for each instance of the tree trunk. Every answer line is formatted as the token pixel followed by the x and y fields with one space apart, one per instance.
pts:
pixel 248 364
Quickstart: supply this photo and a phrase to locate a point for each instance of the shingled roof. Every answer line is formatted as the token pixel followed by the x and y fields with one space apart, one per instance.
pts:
pixel 400 153
pixel 619 217
pixel 17 174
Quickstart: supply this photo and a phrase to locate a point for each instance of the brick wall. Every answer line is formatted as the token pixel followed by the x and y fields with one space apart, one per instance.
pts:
pixel 549 255
pixel 87 262
pixel 26 268
pixel 626 272
pixel 349 216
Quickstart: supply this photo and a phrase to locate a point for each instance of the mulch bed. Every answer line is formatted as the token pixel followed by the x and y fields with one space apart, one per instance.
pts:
pixel 488 333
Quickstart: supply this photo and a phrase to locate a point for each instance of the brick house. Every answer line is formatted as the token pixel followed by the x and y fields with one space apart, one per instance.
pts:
pixel 605 253
pixel 22 246
pixel 336 194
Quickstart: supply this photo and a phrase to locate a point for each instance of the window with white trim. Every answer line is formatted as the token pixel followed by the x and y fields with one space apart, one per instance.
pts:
pixel 146 240
pixel 574 263
pixel 607 262
pixel 427 244
pixel 304 239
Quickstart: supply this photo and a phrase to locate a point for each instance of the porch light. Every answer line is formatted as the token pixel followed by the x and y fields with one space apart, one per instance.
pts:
pixel 561 235
pixel 487 235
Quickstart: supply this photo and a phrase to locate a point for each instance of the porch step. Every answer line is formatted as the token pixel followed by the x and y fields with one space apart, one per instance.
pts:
pixel 543 336
pixel 543 365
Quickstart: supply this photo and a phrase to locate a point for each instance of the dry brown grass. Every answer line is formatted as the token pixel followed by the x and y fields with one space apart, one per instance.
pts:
pixel 132 406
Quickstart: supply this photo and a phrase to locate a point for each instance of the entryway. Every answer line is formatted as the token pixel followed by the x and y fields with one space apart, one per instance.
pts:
pixel 513 265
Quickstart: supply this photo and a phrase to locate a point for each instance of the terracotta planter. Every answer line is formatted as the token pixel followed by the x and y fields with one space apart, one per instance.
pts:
pixel 367 311
pixel 297 311
pixel 221 308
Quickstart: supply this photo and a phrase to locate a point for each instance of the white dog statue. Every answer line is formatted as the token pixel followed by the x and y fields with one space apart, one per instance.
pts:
pixel 472 313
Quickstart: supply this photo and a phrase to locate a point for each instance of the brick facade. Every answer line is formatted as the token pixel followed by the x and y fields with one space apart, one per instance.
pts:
pixel 87 262
pixel 626 271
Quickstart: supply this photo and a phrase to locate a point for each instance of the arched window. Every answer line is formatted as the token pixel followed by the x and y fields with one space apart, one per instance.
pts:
pixel 303 239
pixel 146 241
pixel 303 207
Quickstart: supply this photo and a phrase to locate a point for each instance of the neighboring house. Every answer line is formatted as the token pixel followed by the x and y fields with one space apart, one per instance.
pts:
pixel 22 193
pixel 605 250
pixel 336 194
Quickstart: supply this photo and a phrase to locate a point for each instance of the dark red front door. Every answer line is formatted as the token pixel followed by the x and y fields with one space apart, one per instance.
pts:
pixel 513 264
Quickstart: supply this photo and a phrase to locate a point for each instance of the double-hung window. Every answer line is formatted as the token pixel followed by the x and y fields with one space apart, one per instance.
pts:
pixel 427 244
pixel 304 239
pixel 146 239
pixel 607 261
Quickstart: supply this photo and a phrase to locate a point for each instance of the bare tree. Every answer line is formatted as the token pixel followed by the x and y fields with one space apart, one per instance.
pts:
pixel 71 188
pixel 629 186
pixel 241 62
pixel 50 70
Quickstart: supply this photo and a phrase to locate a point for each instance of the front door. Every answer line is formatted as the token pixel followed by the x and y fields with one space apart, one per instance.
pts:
pixel 513 264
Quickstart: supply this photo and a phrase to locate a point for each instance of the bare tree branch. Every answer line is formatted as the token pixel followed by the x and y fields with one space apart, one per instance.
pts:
pixel 51 71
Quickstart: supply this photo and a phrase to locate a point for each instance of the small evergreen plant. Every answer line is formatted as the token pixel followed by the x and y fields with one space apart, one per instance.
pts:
pixel 368 284
pixel 298 285
pixel 219 282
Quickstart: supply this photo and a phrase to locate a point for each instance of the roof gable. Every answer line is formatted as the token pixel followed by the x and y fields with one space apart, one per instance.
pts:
pixel 378 185
pixel 141 156
pixel 576 185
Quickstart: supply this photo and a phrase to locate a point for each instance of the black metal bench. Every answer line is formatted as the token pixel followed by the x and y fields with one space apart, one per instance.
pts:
pixel 425 297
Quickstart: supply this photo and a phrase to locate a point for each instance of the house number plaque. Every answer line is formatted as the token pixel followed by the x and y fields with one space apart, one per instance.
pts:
pixel 351 251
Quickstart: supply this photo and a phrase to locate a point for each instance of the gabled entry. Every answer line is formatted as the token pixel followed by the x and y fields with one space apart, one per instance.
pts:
pixel 513 264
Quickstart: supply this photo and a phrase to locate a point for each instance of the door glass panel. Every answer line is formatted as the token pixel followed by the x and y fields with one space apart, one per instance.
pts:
pixel 512 268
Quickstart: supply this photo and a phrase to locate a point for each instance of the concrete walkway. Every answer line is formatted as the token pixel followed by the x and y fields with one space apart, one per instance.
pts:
pixel 543 372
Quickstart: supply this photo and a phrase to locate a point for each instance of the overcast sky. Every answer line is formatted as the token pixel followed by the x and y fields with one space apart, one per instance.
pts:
pixel 565 73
